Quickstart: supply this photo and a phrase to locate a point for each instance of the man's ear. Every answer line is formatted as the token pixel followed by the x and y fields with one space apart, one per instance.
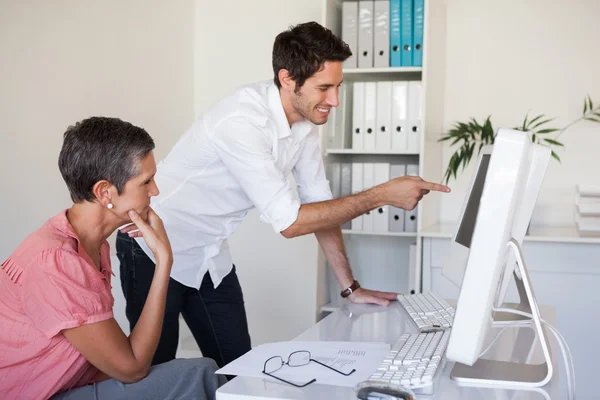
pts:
pixel 287 82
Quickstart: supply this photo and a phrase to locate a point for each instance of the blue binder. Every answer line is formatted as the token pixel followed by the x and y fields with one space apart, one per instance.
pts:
pixel 406 29
pixel 417 44
pixel 395 43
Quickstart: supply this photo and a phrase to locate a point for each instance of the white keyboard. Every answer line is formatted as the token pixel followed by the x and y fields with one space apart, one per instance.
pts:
pixel 428 310
pixel 413 360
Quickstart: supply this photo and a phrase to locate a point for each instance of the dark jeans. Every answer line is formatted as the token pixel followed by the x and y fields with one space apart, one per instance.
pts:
pixel 216 317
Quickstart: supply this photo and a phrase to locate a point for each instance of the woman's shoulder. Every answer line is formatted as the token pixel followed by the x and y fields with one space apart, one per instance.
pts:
pixel 51 242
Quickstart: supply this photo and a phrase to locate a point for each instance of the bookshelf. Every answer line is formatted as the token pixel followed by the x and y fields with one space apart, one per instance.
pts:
pixel 380 260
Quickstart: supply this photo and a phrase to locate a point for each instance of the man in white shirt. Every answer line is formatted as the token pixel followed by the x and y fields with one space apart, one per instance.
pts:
pixel 237 157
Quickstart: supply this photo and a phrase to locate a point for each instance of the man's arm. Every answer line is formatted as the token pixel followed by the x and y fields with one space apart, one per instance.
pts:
pixel 404 192
pixel 332 244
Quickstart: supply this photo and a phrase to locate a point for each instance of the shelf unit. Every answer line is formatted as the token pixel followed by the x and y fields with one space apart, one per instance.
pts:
pixel 381 71
pixel 380 260
pixel 352 151
pixel 398 234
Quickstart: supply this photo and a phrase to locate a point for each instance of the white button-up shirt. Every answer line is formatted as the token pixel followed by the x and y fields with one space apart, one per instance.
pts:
pixel 236 157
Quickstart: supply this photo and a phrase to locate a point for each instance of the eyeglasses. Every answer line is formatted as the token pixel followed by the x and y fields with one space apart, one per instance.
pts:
pixel 296 359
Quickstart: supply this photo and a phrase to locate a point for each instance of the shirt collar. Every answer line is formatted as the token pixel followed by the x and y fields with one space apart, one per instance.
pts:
pixel 299 129
pixel 62 224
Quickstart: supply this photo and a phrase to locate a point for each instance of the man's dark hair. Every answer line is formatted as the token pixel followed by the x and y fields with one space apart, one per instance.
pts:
pixel 100 148
pixel 304 48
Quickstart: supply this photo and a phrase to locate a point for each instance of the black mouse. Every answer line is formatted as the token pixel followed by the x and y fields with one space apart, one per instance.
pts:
pixel 370 390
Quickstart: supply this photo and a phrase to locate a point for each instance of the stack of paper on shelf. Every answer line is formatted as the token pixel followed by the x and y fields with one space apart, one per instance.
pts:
pixel 587 209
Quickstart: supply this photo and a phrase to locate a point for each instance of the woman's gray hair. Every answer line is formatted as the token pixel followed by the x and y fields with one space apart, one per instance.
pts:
pixel 101 148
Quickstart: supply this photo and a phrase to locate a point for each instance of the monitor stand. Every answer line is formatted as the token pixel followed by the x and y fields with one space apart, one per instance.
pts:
pixel 512 374
pixel 523 305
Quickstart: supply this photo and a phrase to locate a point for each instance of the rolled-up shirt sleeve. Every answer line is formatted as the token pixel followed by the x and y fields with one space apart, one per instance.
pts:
pixel 246 150
pixel 309 172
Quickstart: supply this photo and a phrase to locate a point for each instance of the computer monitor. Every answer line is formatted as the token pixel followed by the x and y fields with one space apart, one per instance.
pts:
pixel 456 261
pixel 499 194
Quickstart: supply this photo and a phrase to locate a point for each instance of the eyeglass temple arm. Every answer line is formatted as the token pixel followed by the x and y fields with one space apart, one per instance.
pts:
pixel 288 382
pixel 333 369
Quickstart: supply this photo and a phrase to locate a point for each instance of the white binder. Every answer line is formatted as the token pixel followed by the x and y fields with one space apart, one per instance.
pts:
pixel 350 31
pixel 410 217
pixel 415 89
pixel 396 215
pixel 342 119
pixel 357 186
pixel 368 183
pixel 381 173
pixel 335 179
pixel 381 43
pixel 365 33
pixel 331 130
pixel 370 115
pixel 358 112
pixel 399 115
pixel 383 134
pixel 412 269
pixel 346 187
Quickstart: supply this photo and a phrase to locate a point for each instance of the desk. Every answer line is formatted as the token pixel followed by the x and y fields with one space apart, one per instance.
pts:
pixel 368 323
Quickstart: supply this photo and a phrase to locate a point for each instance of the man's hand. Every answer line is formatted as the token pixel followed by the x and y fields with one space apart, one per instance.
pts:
pixel 406 192
pixel 366 296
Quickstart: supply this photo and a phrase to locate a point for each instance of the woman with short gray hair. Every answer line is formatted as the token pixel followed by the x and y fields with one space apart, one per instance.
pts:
pixel 59 338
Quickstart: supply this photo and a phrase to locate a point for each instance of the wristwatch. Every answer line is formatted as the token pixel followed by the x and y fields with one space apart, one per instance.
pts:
pixel 347 292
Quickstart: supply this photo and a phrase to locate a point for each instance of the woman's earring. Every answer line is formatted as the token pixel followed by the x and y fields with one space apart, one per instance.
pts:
pixel 110 206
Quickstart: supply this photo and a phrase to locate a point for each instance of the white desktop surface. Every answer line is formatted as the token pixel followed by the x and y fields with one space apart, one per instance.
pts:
pixel 368 323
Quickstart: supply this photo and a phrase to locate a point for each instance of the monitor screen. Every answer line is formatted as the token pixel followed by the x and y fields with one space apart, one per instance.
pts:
pixel 467 224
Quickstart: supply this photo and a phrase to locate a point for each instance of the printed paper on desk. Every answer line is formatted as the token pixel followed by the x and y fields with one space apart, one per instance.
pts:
pixel 343 356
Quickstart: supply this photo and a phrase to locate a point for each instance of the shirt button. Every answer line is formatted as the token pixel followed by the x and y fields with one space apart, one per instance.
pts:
pixel 81 322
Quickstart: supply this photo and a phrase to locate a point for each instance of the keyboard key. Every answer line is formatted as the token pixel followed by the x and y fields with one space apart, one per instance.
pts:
pixel 414 359
pixel 428 310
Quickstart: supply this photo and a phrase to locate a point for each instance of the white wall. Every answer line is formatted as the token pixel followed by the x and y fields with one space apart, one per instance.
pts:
pixel 63 61
pixel 278 275
pixel 508 58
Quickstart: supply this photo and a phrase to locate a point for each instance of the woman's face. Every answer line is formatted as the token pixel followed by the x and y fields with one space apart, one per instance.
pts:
pixel 138 191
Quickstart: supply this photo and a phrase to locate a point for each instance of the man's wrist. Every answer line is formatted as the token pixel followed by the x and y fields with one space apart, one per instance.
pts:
pixel 376 197
pixel 350 289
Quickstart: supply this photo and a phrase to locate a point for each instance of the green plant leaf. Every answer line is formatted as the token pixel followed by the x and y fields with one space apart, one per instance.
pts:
pixel 456 141
pixel 453 166
pixel 456 164
pixel 555 156
pixel 592 119
pixel 525 122
pixel 542 123
pixel 533 138
pixel 554 142
pixel 585 106
pixel 470 153
pixel 545 131
pixel 591 106
pixel 535 119
pixel 487 131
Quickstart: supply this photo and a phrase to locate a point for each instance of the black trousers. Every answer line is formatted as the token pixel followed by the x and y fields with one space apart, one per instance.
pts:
pixel 216 317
